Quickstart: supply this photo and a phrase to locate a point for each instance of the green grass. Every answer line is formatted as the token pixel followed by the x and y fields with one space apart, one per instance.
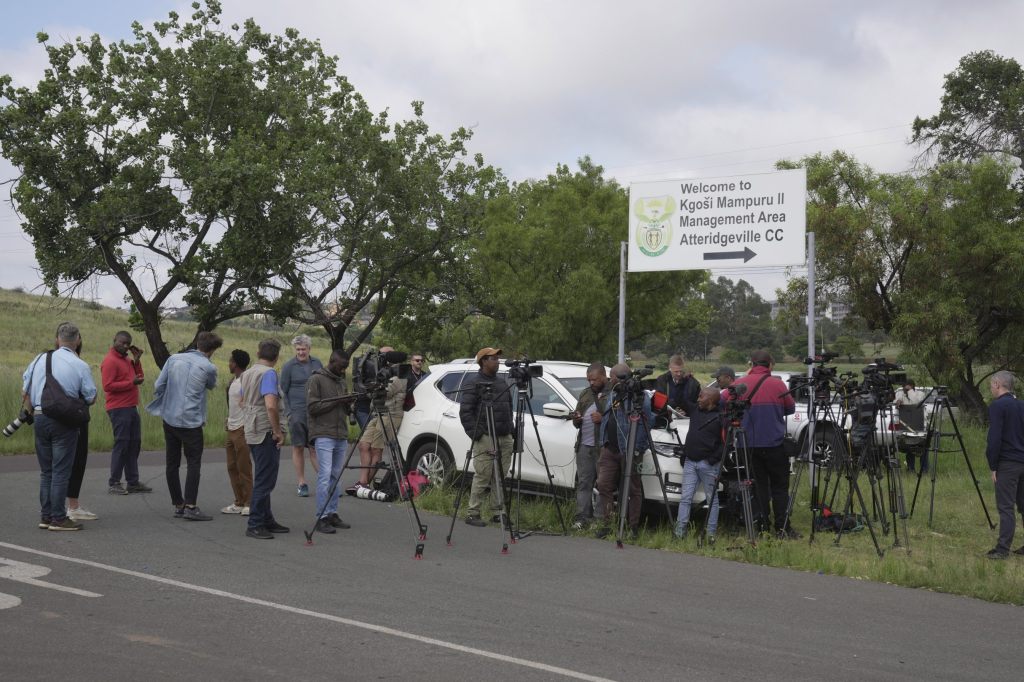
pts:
pixel 947 557
pixel 27 326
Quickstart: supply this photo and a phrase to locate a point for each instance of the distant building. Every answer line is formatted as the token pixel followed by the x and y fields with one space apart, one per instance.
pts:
pixel 837 311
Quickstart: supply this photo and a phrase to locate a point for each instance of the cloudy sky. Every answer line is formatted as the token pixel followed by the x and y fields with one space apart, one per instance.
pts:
pixel 650 90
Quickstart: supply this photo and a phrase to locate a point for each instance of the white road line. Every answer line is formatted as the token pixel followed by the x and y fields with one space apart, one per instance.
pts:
pixel 21 572
pixel 565 672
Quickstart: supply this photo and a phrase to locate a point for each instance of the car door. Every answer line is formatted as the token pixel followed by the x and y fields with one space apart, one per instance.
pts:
pixel 557 435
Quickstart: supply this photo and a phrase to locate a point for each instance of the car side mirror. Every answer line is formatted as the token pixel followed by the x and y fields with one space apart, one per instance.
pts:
pixel 557 410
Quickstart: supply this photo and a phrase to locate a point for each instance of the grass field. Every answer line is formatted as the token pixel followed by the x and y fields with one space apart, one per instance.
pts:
pixel 27 327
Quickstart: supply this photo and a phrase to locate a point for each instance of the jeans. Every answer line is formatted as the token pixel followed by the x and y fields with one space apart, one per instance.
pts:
pixel 55 450
pixel 81 459
pixel 191 442
pixel 330 455
pixel 124 457
pixel 586 476
pixel 266 460
pixel 707 475
pixel 1009 492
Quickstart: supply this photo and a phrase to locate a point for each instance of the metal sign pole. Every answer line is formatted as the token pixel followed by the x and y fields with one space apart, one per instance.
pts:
pixel 810 298
pixel 622 301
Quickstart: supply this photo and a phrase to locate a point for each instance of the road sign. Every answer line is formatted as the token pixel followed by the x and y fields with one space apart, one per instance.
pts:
pixel 750 220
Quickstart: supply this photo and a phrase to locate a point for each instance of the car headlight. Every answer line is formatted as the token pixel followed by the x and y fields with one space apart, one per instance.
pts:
pixel 665 449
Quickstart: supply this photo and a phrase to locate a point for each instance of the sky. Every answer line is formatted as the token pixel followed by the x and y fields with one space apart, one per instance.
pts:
pixel 650 90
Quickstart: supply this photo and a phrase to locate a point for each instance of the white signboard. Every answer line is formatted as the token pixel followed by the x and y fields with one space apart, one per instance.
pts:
pixel 752 220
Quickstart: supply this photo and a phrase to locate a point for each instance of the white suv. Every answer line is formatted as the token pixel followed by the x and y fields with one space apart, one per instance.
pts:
pixel 434 442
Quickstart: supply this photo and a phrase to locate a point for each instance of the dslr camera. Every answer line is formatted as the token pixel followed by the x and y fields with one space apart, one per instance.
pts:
pixel 24 417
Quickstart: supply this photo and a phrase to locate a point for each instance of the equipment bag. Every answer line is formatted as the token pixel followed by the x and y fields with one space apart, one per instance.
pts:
pixel 58 405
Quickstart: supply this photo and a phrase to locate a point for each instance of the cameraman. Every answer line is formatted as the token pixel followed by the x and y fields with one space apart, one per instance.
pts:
pixel 377 433
pixel 474 421
pixel 765 426
pixel 592 404
pixel 612 463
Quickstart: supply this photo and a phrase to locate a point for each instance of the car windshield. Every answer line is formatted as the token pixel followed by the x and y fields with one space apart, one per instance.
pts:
pixel 575 385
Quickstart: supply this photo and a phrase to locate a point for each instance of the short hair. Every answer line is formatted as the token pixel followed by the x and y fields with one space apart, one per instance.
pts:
pixel 1004 379
pixel 676 360
pixel 207 342
pixel 123 335
pixel 302 340
pixel 761 358
pixel 269 349
pixel 596 368
pixel 712 393
pixel 909 382
pixel 240 357
pixel 68 332
pixel 417 353
pixel 339 353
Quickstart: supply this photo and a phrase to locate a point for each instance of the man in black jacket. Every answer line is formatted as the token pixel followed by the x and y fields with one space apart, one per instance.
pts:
pixel 476 391
pixel 703 459
pixel 1005 453
pixel 679 385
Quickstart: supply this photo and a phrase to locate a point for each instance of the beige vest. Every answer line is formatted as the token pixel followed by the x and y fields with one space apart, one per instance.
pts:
pixel 254 409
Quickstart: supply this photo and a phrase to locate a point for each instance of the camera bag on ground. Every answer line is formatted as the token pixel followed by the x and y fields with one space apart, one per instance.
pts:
pixel 58 405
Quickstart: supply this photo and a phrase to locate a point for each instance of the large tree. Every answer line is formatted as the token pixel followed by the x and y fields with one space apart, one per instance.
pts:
pixel 543 278
pixel 188 159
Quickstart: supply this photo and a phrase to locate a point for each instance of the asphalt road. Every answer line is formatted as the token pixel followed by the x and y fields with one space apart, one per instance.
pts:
pixel 159 598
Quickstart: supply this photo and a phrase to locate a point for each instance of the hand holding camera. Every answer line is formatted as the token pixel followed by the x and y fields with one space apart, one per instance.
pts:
pixel 136 352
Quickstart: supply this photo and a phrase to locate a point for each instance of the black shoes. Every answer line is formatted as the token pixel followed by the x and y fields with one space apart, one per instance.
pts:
pixel 475 521
pixel 275 527
pixel 1019 551
pixel 323 525
pixel 336 522
pixel 139 487
pixel 259 533
pixel 996 553
pixel 194 514
pixel 788 534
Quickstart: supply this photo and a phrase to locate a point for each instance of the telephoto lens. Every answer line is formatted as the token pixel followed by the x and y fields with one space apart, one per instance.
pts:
pixel 25 417
pixel 371 494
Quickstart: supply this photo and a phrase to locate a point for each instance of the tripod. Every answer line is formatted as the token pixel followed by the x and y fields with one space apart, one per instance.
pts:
pixel 736 452
pixel 934 447
pixel 852 468
pixel 486 398
pixel 524 390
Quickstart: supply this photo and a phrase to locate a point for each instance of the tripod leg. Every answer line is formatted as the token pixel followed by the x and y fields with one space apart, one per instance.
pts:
pixel 658 472
pixel 458 495
pixel 627 474
pixel 547 472
pixel 396 461
pixel 967 461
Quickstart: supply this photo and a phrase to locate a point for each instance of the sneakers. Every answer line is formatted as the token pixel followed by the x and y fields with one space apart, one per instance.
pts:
pixel 44 523
pixel 195 514
pixel 66 524
pixel 994 553
pixel 81 514
pixel 336 521
pixel 351 490
pixel 579 525
pixel 179 512
pixel 232 509
pixel 323 525
pixel 260 533
pixel 117 489
pixel 245 511
pixel 475 521
pixel 302 490
pixel 139 487
pixel 275 527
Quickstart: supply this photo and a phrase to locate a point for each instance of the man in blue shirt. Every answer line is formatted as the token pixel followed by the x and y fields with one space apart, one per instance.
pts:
pixel 180 399
pixel 55 441
pixel 1005 453
pixel 263 433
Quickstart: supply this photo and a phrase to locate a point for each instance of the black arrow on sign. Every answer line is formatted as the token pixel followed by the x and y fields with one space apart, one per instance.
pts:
pixel 746 254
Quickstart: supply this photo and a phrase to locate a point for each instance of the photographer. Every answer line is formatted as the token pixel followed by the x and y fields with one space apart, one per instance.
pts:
pixel 56 441
pixel 473 417
pixel 593 403
pixel 765 426
pixel 377 432
pixel 703 461
pixel 612 462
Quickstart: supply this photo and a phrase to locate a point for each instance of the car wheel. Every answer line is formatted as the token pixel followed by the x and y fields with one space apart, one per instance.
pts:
pixel 829 447
pixel 434 461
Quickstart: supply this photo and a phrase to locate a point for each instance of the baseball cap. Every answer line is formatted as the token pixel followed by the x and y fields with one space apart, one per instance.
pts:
pixel 484 352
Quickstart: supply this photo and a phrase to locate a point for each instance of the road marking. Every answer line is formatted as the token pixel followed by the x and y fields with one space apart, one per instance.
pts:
pixel 28 574
pixel 536 665
pixel 8 601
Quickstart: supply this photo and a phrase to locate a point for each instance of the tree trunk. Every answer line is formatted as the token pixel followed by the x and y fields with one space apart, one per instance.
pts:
pixel 971 401
pixel 151 326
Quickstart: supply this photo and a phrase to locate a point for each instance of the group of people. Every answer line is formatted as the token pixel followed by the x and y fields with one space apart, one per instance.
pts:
pixel 601 418
pixel 311 399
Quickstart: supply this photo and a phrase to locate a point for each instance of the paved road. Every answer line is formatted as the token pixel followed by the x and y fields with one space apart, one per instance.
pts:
pixel 161 598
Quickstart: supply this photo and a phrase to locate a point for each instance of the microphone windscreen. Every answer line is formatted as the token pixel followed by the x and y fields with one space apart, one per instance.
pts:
pixel 739 389
pixel 659 400
pixel 394 357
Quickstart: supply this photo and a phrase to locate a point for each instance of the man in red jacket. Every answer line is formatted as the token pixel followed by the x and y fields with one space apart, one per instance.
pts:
pixel 121 378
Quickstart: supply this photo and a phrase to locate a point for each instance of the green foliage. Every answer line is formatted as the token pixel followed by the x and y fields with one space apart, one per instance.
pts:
pixel 848 346
pixel 543 277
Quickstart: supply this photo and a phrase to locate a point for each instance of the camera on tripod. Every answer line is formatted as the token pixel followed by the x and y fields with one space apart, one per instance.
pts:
pixel 881 379
pixel 736 407
pixel 522 370
pixel 630 384
pixel 24 417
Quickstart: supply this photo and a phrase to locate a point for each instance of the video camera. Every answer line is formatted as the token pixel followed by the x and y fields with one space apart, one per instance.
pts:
pixel 881 379
pixel 736 407
pixel 630 384
pixel 522 370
